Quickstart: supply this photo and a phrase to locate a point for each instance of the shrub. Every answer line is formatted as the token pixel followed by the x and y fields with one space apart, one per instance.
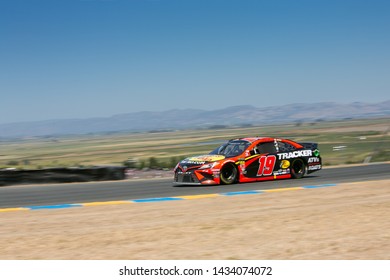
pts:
pixel 153 163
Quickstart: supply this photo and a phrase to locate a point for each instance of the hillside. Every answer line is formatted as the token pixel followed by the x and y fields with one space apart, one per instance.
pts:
pixel 192 118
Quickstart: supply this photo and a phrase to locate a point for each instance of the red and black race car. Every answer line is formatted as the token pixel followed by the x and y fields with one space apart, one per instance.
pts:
pixel 249 160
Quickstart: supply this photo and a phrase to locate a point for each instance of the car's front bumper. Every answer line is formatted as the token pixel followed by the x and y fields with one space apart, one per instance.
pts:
pixel 195 177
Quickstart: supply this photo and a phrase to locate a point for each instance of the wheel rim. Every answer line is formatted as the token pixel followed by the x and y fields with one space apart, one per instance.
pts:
pixel 298 168
pixel 229 174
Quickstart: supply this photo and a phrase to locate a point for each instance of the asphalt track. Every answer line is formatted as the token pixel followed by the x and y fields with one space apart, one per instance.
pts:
pixel 36 195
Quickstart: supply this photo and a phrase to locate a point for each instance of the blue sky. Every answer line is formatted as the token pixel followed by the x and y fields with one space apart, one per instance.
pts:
pixel 96 58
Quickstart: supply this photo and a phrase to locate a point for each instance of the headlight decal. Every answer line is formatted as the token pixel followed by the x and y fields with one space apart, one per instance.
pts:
pixel 208 165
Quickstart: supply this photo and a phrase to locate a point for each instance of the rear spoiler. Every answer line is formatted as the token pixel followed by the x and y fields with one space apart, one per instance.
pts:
pixel 310 145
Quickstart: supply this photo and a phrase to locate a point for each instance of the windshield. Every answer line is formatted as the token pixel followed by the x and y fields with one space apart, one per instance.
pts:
pixel 232 148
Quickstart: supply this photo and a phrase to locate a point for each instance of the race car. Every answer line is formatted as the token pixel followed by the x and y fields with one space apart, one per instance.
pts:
pixel 249 160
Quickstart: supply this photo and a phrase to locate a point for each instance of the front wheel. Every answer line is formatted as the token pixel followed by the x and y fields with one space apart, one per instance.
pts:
pixel 229 174
pixel 298 168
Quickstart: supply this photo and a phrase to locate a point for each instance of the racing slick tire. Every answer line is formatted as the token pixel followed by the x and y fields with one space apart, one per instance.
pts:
pixel 229 174
pixel 298 168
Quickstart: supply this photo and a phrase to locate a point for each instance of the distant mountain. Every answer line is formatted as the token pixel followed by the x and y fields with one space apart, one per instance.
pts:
pixel 191 118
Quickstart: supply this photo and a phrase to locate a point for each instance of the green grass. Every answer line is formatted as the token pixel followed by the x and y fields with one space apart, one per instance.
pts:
pixel 362 138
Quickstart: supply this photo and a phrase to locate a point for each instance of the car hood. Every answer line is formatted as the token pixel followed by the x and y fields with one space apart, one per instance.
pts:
pixel 202 159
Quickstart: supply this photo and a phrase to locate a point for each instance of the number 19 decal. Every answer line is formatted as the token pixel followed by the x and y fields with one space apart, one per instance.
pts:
pixel 266 165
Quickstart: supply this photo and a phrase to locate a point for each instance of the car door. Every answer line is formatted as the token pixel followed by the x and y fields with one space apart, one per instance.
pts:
pixel 263 161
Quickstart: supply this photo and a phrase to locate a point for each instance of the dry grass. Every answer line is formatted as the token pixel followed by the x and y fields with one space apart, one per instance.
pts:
pixel 114 149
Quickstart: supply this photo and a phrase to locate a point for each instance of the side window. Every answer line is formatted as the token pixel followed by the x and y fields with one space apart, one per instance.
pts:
pixel 285 147
pixel 267 148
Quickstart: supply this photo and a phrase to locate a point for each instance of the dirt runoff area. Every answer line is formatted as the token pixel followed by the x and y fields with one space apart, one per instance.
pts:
pixel 347 221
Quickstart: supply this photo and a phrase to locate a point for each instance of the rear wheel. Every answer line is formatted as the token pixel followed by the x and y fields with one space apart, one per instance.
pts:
pixel 229 174
pixel 298 168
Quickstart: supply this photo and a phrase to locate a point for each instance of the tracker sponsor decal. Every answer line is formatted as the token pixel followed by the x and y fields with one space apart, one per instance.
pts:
pixel 314 167
pixel 313 160
pixel 295 154
pixel 314 164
